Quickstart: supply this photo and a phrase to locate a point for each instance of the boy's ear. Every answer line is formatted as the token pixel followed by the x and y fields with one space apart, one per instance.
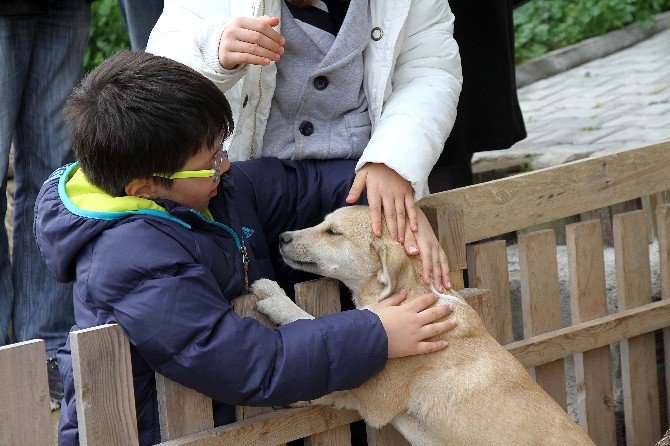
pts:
pixel 142 188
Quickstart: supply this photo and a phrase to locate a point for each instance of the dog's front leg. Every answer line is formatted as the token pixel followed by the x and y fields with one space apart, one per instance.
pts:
pixel 276 304
pixel 342 399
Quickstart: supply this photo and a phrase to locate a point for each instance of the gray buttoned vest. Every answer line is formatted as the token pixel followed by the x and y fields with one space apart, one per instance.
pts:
pixel 319 108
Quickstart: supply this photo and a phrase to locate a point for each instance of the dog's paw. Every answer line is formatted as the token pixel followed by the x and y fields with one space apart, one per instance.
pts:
pixel 265 288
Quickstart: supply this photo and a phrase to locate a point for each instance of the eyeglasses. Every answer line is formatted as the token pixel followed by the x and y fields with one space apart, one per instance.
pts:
pixel 214 172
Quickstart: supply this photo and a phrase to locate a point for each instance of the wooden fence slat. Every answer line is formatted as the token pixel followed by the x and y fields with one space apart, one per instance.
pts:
pixel 548 194
pixel 541 305
pixel 24 394
pixel 606 214
pixel 181 411
pixel 271 429
pixel 638 354
pixel 663 234
pixel 245 306
pixel 447 222
pixel 588 296
pixel 487 268
pixel 480 301
pixel 318 298
pixel 103 383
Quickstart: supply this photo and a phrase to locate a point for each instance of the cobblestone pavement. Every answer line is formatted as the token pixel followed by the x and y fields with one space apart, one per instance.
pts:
pixel 618 102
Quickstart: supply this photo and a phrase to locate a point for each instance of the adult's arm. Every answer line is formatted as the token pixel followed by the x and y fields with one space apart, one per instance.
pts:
pixel 189 32
pixel 420 112
pixel 181 325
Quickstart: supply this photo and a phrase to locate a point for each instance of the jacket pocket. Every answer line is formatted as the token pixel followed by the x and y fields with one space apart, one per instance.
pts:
pixel 359 126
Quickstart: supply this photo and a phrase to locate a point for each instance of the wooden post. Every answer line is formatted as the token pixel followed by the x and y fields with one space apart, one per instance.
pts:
pixel 588 297
pixel 480 301
pixel 245 306
pixel 487 268
pixel 447 222
pixel 318 298
pixel 663 234
pixel 541 304
pixel 181 411
pixel 638 354
pixel 103 381
pixel 24 395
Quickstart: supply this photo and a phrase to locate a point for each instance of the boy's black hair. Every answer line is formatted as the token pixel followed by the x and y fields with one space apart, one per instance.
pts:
pixel 138 114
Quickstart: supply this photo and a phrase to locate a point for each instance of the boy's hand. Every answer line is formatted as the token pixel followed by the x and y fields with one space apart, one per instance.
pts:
pixel 388 190
pixel 250 41
pixel 433 259
pixel 408 325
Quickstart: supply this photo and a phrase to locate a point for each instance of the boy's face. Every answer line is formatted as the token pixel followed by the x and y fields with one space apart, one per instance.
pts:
pixel 195 192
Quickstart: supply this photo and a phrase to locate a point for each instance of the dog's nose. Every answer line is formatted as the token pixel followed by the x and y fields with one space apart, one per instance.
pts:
pixel 285 238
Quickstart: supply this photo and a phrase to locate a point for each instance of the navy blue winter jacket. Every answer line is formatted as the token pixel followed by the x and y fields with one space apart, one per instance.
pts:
pixel 167 275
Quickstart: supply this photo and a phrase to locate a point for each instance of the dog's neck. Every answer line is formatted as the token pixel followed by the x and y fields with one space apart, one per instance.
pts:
pixel 376 288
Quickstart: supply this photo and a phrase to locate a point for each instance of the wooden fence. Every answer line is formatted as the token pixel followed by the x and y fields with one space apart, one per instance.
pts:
pixel 462 217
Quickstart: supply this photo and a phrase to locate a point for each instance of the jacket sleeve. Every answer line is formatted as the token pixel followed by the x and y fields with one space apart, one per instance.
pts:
pixel 419 114
pixel 176 317
pixel 189 32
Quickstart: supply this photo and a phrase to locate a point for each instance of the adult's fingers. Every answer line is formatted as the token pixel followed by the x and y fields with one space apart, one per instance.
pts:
pixel 437 271
pixel 375 204
pixel 357 187
pixel 253 42
pixel 410 205
pixel 262 26
pixel 388 203
pixel 444 264
pixel 401 216
pixel 411 247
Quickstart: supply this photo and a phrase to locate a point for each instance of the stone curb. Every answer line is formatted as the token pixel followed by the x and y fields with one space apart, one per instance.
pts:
pixel 563 59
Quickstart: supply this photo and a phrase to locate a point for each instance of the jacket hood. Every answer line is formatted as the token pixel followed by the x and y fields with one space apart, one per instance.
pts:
pixel 70 212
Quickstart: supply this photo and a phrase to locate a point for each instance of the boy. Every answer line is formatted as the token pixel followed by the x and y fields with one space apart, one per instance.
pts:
pixel 149 225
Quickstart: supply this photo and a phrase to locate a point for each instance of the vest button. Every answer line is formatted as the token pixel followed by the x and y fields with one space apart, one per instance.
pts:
pixel 321 82
pixel 306 128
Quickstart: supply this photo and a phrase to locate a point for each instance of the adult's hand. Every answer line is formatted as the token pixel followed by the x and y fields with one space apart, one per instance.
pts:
pixel 388 190
pixel 250 41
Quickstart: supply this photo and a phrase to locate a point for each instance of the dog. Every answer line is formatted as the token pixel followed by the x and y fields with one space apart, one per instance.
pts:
pixel 472 393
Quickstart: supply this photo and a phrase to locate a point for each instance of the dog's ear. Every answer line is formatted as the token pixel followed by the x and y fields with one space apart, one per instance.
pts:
pixel 392 258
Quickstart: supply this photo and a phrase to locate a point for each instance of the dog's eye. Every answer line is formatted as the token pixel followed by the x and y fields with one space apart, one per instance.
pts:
pixel 332 231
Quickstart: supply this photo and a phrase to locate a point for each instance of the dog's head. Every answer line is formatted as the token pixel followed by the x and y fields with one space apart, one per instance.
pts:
pixel 343 247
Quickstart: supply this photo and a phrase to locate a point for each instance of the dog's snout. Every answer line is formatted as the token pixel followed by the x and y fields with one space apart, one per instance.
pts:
pixel 285 238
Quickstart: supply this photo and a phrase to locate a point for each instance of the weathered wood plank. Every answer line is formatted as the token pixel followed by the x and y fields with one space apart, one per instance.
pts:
pixel 663 233
pixel 532 198
pixel 638 354
pixel 487 268
pixel 271 429
pixel 447 222
pixel 590 335
pixel 541 305
pixel 181 411
pixel 24 394
pixel 245 306
pixel 318 298
pixel 594 401
pixel 103 382
pixel 480 301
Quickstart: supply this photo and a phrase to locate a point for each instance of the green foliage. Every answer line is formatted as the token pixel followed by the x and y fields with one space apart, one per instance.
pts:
pixel 544 25
pixel 108 33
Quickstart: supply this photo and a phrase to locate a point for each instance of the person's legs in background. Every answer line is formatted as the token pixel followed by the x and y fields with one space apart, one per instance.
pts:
pixel 52 63
pixel 140 17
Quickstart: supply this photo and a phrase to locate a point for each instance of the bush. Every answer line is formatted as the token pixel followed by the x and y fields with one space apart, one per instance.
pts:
pixel 544 25
pixel 108 33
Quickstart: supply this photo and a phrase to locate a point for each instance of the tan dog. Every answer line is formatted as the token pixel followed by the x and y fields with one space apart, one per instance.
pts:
pixel 472 393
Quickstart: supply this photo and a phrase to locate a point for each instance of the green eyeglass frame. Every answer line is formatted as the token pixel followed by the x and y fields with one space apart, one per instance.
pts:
pixel 214 173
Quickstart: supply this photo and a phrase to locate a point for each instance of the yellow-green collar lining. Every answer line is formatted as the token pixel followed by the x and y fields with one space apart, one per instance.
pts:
pixel 86 196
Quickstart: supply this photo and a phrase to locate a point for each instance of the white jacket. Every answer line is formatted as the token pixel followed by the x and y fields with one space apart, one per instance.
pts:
pixel 412 76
